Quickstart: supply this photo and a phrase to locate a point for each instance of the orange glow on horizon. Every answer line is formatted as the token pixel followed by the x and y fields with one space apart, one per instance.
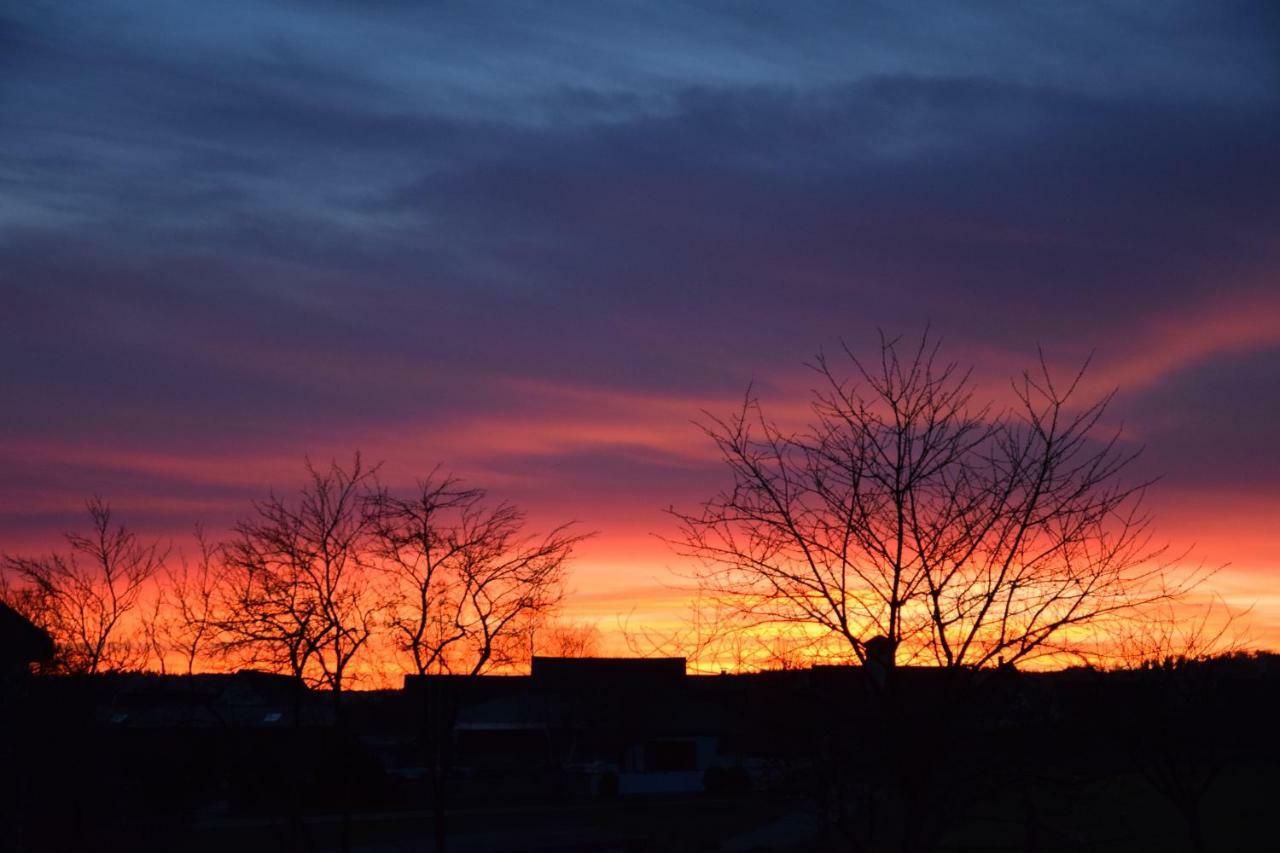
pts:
pixel 626 577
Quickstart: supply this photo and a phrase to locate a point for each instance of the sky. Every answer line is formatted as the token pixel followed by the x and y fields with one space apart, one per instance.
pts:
pixel 532 242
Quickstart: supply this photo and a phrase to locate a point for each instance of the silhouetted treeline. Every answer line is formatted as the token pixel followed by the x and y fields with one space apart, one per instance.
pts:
pixel 436 579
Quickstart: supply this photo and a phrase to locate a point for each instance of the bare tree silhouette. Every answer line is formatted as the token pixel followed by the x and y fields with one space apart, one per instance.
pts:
pixel 184 622
pixel 466 580
pixel 711 640
pixel 964 534
pixel 566 639
pixel 82 597
pixel 295 593
pixel 1172 729
pixel 1176 633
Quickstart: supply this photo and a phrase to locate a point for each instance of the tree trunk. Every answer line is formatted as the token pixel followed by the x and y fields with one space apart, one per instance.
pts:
pixel 345 737
pixel 1195 827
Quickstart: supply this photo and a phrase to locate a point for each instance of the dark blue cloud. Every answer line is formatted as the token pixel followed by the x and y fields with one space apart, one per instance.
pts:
pixel 1212 426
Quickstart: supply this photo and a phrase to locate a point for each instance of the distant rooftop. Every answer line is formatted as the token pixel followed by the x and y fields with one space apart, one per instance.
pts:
pixel 549 670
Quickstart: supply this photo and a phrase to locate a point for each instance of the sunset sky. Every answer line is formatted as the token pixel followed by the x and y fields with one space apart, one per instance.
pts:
pixel 532 242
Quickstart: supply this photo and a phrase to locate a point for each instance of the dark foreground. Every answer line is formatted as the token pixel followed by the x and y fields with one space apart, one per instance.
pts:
pixel 599 755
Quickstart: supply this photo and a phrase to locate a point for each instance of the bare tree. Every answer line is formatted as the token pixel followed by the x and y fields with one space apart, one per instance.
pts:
pixel 706 636
pixel 965 534
pixel 295 592
pixel 566 639
pixel 83 596
pixel 1179 690
pixel 466 580
pixel 1178 633
pixel 184 623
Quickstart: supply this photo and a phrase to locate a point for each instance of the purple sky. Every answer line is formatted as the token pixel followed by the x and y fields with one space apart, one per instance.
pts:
pixel 532 241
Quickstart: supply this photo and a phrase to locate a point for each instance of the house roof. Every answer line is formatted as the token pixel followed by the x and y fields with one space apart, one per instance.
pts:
pixel 21 641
